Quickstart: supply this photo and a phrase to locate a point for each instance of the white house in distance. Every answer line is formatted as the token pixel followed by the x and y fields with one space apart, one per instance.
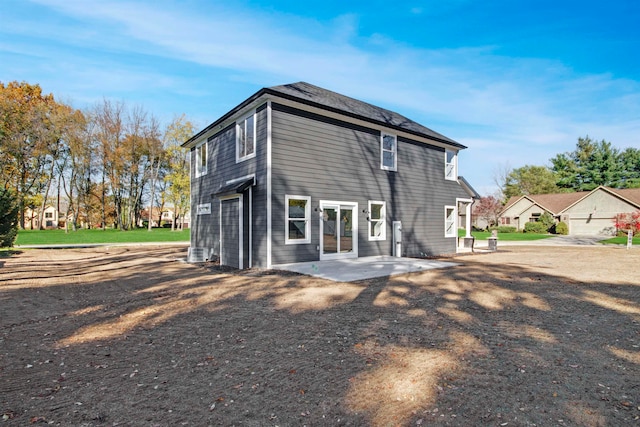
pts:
pixel 32 218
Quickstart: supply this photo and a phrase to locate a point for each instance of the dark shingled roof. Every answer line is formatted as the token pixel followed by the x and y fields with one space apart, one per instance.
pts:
pixel 331 101
pixel 326 99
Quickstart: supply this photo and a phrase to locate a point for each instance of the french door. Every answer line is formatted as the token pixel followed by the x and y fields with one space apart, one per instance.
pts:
pixel 338 230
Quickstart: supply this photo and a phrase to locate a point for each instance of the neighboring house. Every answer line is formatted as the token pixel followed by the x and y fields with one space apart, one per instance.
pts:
pixel 32 218
pixel 166 217
pixel 298 173
pixel 586 213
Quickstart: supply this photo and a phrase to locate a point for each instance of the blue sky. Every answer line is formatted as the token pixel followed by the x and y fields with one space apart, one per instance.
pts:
pixel 515 81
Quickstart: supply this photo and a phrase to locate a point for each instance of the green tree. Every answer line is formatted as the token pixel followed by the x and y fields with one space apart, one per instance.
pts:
pixel 8 217
pixel 530 180
pixel 629 160
pixel 590 165
pixel 175 184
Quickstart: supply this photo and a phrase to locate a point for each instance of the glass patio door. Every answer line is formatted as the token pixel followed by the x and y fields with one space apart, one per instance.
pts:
pixel 338 231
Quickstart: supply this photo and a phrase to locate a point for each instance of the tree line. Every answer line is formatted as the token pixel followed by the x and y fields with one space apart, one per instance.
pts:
pixel 108 162
pixel 590 165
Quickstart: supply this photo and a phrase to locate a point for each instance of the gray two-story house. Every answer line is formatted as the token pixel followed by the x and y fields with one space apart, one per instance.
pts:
pixel 299 173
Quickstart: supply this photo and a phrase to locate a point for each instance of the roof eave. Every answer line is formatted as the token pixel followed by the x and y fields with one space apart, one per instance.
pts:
pixel 191 141
pixel 361 117
pixel 269 91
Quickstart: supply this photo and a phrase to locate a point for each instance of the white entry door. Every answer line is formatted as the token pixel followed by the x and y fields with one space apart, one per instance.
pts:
pixel 338 230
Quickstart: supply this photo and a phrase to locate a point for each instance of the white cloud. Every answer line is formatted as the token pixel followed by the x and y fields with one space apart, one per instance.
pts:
pixel 528 109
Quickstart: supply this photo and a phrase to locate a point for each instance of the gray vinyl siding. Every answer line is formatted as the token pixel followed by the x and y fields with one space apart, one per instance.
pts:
pixel 222 167
pixel 332 160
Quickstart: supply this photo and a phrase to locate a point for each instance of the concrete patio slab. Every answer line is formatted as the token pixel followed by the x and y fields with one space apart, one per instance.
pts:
pixel 349 270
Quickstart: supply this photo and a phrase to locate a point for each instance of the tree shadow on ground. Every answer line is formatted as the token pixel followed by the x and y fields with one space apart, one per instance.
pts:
pixel 138 336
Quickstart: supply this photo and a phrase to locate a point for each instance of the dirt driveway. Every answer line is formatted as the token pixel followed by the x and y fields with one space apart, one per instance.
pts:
pixel 526 336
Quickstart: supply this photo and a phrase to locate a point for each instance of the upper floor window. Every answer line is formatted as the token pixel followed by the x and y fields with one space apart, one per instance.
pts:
pixel 298 219
pixel 450 168
pixel 246 138
pixel 388 152
pixel 48 215
pixel 201 159
pixel 450 229
pixel 377 220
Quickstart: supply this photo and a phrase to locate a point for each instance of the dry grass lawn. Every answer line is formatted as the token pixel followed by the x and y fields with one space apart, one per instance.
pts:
pixel 526 336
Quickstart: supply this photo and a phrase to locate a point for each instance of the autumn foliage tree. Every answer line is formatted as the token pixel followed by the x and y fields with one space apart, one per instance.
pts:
pixel 628 221
pixel 105 162
pixel 28 129
pixel 130 148
pixel 488 209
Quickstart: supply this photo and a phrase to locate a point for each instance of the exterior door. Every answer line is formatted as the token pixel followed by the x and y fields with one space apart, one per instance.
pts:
pixel 230 232
pixel 338 230
pixel 236 230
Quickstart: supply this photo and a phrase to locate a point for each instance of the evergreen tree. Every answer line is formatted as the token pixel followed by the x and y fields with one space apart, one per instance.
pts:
pixel 590 165
pixel 8 218
pixel 629 161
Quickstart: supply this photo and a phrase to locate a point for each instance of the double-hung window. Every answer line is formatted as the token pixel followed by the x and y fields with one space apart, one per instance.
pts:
pixel 246 138
pixel 450 229
pixel 377 220
pixel 450 167
pixel 388 152
pixel 297 219
pixel 201 159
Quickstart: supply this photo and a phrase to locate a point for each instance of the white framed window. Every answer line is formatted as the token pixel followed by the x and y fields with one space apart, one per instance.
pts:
pixel 246 138
pixel 297 219
pixel 377 220
pixel 450 165
pixel 450 215
pixel 388 152
pixel 201 159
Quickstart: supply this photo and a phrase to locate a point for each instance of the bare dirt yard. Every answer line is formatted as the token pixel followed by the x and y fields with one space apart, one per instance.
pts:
pixel 526 336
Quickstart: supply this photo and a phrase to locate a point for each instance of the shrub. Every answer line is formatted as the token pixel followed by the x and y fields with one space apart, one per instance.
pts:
pixel 547 220
pixel 561 228
pixel 506 229
pixel 8 218
pixel 535 227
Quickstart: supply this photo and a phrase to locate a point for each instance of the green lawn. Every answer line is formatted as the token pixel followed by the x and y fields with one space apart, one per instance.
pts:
pixel 483 235
pixel 621 241
pixel 55 237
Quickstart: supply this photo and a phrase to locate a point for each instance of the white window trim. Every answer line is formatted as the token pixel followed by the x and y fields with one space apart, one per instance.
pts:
pixel 395 152
pixel 307 219
pixel 242 122
pixel 454 174
pixel 198 170
pixel 383 219
pixel 454 233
